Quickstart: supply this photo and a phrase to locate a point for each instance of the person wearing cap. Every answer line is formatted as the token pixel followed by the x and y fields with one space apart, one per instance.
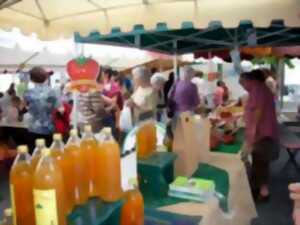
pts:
pixel 157 81
pixel 41 101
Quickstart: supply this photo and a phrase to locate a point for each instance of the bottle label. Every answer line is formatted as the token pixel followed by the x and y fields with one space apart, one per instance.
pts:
pixel 13 204
pixel 45 207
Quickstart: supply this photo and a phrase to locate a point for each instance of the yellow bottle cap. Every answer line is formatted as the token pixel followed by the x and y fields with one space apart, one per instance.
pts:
pixel 22 149
pixel 8 212
pixel 88 128
pixel 133 182
pixel 40 142
pixel 106 130
pixel 57 137
pixel 73 132
pixel 46 152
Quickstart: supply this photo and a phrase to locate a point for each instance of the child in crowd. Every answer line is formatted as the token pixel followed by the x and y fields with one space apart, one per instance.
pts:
pixel 61 119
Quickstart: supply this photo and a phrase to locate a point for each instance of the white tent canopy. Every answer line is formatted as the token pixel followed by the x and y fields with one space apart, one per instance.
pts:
pixel 13 57
pixel 52 19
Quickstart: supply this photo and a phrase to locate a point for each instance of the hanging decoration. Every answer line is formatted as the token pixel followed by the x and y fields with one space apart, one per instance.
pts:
pixel 83 73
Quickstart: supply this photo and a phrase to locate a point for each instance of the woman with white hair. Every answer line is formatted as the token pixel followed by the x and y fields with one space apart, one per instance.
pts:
pixel 185 93
pixel 158 81
pixel 143 101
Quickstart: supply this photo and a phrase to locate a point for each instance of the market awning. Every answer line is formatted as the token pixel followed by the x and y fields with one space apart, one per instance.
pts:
pixel 247 53
pixel 52 19
pixel 189 39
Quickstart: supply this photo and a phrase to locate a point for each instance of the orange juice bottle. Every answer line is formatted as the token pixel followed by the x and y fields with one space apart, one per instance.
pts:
pixel 108 170
pixel 78 187
pixel 89 146
pixel 39 145
pixel 21 182
pixel 146 139
pixel 132 212
pixel 153 138
pixel 48 192
pixel 57 152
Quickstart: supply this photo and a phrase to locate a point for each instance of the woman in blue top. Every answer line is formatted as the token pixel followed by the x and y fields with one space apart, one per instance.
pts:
pixel 41 101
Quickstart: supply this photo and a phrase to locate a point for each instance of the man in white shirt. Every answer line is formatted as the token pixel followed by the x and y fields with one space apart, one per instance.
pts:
pixel 201 85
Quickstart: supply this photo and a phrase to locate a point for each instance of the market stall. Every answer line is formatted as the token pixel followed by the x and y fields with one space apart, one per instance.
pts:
pixel 217 178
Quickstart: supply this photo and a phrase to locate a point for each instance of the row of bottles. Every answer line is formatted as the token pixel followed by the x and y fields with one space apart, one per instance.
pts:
pixel 46 187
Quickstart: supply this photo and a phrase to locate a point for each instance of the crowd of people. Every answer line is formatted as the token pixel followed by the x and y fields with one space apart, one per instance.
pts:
pixel 150 94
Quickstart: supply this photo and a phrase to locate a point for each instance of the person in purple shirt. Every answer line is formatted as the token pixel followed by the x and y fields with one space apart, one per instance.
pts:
pixel 261 130
pixel 185 94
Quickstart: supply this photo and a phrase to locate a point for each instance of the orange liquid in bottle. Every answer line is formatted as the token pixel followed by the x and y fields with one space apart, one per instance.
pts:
pixel 78 186
pixel 108 168
pixel 49 192
pixel 89 146
pixel 133 210
pixel 57 152
pixel 40 144
pixel 146 140
pixel 21 184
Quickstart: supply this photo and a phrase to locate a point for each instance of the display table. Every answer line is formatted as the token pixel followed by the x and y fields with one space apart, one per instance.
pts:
pixel 232 148
pixel 240 202
pixel 17 131
pixel 23 125
pixel 96 212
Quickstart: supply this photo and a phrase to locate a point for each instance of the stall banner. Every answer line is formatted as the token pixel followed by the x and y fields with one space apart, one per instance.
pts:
pixel 83 73
pixel 211 76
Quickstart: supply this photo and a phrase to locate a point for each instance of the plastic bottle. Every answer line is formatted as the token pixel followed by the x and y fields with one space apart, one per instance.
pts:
pixel 48 191
pixel 133 210
pixel 146 139
pixel 39 145
pixel 8 217
pixel 108 170
pixel 78 186
pixel 21 182
pixel 89 146
pixel 57 152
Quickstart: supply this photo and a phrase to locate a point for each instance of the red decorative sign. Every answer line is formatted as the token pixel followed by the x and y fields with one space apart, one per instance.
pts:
pixel 83 73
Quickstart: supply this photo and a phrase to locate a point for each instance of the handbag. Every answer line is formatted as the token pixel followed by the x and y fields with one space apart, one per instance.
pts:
pixel 171 104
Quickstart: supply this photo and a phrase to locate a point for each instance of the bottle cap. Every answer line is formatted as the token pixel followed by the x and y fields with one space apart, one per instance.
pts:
pixel 46 152
pixel 73 132
pixel 88 128
pixel 40 142
pixel 22 149
pixel 8 212
pixel 57 137
pixel 106 130
pixel 133 182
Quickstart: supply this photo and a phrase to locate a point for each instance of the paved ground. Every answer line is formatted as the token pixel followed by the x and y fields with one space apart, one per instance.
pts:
pixel 276 212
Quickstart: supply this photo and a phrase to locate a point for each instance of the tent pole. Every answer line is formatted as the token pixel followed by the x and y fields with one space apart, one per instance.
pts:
pixel 175 60
pixel 175 65
pixel 281 76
